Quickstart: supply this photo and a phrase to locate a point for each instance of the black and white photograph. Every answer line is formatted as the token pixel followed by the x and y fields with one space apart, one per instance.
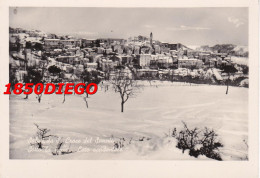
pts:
pixel 168 87
pixel 129 89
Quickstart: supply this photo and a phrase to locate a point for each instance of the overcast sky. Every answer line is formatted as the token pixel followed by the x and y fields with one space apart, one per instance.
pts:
pixel 190 26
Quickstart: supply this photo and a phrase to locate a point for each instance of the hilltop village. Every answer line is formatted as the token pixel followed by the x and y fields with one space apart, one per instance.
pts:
pixel 63 58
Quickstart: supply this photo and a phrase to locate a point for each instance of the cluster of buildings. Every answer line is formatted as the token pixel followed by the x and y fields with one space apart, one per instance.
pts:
pixel 141 56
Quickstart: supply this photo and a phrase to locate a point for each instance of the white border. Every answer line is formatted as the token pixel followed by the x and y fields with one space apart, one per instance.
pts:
pixel 140 168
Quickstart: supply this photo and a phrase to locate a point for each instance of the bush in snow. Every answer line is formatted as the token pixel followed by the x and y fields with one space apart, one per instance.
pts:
pixel 41 137
pixel 198 142
pixel 59 151
pixel 119 144
pixel 124 142
pixel 43 141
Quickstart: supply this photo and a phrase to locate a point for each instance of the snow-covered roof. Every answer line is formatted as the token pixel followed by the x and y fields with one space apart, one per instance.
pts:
pixel 188 59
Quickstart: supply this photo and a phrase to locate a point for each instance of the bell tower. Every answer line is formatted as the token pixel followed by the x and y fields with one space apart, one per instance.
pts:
pixel 151 38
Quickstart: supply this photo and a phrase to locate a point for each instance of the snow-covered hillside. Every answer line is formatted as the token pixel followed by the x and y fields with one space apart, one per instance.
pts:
pixel 148 117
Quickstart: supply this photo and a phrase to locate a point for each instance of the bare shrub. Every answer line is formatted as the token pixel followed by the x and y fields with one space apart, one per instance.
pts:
pixel 41 136
pixel 42 141
pixel 119 144
pixel 59 151
pixel 187 139
pixel 198 142
pixel 123 142
pixel 210 144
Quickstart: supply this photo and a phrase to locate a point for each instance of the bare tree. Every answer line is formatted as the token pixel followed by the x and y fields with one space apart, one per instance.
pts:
pixel 86 100
pixel 64 98
pixel 42 135
pixel 27 96
pixel 64 95
pixel 230 70
pixel 39 97
pixel 124 85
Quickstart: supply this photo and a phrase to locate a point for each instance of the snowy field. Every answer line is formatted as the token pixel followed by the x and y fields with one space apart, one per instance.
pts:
pixel 90 133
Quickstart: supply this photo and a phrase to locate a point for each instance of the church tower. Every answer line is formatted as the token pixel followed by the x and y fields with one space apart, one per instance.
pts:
pixel 151 43
pixel 151 39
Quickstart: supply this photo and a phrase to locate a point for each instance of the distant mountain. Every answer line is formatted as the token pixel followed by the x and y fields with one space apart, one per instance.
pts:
pixel 230 49
pixel 194 47
pixel 241 50
pixel 204 48
pixel 223 48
